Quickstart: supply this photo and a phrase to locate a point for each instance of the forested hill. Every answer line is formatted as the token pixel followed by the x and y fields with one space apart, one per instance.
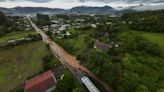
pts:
pixel 150 21
pixel 2 18
pixel 7 24
pixel 51 11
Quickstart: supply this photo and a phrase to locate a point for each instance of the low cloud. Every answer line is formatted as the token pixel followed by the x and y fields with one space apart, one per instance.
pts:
pixel 66 4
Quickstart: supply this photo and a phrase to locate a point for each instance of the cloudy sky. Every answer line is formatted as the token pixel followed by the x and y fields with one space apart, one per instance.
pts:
pixel 66 4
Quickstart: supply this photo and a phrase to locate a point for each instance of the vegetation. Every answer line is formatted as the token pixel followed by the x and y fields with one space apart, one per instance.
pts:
pixel 10 24
pixel 157 38
pixel 146 21
pixel 132 64
pixel 142 65
pixel 2 18
pixel 68 84
pixel 19 63
pixel 16 35
pixel 72 45
pixel 42 19
pixel 50 62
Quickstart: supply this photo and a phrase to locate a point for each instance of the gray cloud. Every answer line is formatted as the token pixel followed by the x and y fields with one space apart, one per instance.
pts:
pixel 73 3
pixel 105 1
pixel 39 0
pixel 25 0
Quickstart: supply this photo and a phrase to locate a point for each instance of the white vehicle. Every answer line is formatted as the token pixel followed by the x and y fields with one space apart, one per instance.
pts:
pixel 91 87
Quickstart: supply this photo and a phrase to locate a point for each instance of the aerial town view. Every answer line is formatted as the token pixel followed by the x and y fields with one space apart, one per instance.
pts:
pixel 81 45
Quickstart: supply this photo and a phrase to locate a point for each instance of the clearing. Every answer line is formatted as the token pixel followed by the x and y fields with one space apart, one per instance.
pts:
pixel 157 38
pixel 19 63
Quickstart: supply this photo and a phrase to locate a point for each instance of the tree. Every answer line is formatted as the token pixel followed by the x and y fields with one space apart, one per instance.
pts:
pixel 42 19
pixel 78 90
pixel 3 18
pixel 142 88
pixel 67 84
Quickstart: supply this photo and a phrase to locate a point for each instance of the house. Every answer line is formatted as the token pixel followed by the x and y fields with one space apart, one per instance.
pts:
pixel 108 23
pixel 63 27
pixel 54 27
pixel 28 39
pixel 2 44
pixel 101 46
pixel 67 33
pixel 45 82
pixel 46 28
pixel 11 40
pixel 55 21
pixel 21 39
pixel 130 22
pixel 123 22
pixel 93 25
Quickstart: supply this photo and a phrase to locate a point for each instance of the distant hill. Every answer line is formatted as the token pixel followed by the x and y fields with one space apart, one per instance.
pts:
pixel 75 10
pixel 93 10
pixel 79 10
pixel 31 10
pixel 143 7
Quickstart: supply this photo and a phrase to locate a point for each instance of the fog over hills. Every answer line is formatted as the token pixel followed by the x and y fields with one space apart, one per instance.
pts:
pixel 106 1
pixel 77 6
pixel 51 11
pixel 67 4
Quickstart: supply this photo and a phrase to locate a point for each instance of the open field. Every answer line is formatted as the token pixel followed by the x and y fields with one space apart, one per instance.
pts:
pixel 157 38
pixel 16 35
pixel 19 63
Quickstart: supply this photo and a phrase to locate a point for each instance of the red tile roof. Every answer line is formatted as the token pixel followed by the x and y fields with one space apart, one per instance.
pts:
pixel 40 83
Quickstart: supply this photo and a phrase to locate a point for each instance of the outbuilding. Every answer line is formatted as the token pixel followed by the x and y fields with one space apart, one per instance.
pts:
pixel 45 82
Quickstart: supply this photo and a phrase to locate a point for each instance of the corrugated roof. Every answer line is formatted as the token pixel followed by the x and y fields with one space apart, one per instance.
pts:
pixel 40 83
pixel 101 45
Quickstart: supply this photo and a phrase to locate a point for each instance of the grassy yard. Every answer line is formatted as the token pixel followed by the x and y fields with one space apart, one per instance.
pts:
pixel 16 35
pixel 17 64
pixel 157 38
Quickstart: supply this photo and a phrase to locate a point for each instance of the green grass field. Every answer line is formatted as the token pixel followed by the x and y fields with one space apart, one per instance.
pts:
pixel 157 38
pixel 16 35
pixel 16 64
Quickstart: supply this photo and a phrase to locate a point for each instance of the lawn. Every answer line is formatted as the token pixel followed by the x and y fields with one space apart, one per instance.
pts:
pixel 19 63
pixel 16 35
pixel 157 38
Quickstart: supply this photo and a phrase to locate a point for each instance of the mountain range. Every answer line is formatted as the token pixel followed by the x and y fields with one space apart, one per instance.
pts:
pixel 51 11
pixel 77 10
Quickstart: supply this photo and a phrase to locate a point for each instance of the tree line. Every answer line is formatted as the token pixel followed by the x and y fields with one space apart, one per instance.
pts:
pixel 150 21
